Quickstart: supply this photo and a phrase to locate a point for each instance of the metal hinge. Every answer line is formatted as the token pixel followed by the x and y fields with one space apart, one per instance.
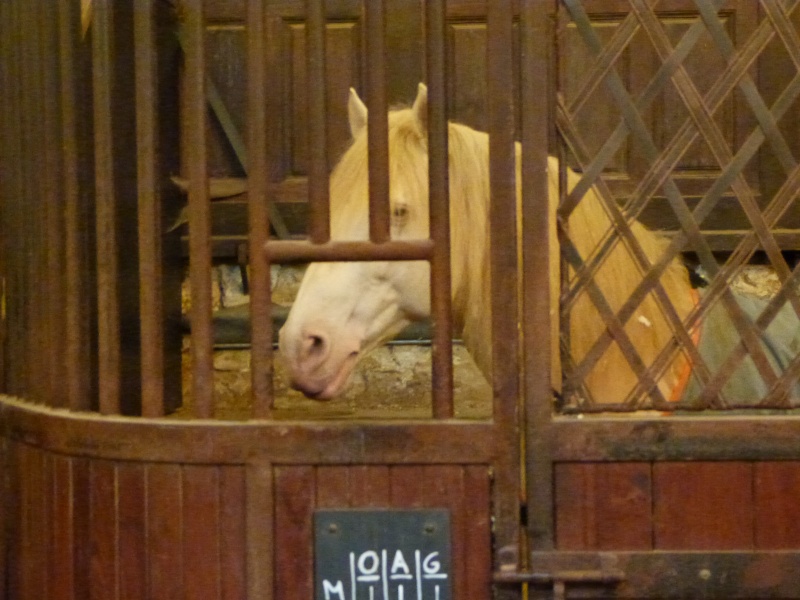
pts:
pixel 549 569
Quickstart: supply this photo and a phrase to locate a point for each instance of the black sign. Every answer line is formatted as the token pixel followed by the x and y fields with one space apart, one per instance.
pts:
pixel 382 555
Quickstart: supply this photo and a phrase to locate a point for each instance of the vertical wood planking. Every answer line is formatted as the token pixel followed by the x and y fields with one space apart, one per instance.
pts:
pixel 334 487
pixel 199 212
pixel 438 185
pixel 703 506
pixel 37 524
pixel 62 539
pixel 104 538
pixel 131 531
pixel 294 508
pixel 378 128
pixel 106 212
pixel 257 202
pixel 234 533
pixel 318 191
pixel 405 488
pixel 777 488
pixel 75 305
pixel 478 532
pixel 369 485
pixel 81 519
pixel 151 280
pixel 443 486
pixel 201 531
pixel 603 506
pixel 262 532
pixel 165 564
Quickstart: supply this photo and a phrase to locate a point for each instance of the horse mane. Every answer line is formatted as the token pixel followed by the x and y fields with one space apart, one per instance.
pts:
pixel 612 378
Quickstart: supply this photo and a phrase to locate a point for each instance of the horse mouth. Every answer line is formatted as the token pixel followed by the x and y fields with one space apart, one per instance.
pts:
pixel 328 387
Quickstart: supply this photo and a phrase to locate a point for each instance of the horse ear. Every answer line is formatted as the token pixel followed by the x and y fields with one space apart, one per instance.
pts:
pixel 356 113
pixel 420 107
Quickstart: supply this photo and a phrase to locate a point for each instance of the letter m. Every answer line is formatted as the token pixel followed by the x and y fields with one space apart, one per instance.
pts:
pixel 329 589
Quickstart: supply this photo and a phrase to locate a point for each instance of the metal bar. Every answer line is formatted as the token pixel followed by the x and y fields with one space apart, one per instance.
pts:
pixel 234 138
pixel 537 292
pixel 5 127
pixel 441 310
pixel 199 214
pixel 108 327
pixel 293 251
pixel 33 169
pixel 54 231
pixel 504 264
pixel 318 190
pixel 76 315
pixel 151 279
pixel 378 129
pixel 258 200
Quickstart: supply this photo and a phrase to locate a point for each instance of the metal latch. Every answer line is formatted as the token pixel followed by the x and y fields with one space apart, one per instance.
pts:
pixel 559 570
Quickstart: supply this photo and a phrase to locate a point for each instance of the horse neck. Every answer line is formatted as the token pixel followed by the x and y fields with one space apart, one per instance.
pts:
pixel 469 214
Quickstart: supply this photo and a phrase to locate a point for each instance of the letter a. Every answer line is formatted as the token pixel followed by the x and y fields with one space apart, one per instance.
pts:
pixel 399 563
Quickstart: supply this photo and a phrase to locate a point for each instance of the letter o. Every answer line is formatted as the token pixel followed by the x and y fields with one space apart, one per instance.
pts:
pixel 362 562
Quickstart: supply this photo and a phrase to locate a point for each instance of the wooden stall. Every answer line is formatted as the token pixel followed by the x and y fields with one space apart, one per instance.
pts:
pixel 120 120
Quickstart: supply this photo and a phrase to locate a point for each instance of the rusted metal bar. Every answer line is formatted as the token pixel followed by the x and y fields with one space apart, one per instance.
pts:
pixel 76 351
pixel 108 327
pixel 536 308
pixel 318 192
pixel 378 129
pixel 504 264
pixel 151 279
pixel 199 214
pixel 442 360
pixel 258 212
pixel 292 251
pixel 51 198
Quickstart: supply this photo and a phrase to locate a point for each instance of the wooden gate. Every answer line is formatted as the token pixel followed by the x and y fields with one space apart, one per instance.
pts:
pixel 680 115
pixel 678 112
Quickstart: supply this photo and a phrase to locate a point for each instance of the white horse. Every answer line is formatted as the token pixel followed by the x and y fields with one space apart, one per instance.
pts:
pixel 343 310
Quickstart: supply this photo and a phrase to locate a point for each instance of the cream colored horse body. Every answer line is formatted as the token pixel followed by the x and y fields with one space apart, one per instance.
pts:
pixel 345 309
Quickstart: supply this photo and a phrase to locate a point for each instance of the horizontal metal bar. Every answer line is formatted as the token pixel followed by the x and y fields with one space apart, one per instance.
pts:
pixel 682 574
pixel 290 251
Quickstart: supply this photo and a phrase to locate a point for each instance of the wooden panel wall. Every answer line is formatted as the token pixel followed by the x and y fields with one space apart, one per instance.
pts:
pixel 86 529
pixel 703 505
pixel 464 490
pixel 89 528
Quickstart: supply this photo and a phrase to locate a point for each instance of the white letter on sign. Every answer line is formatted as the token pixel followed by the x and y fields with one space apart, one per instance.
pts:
pixel 329 589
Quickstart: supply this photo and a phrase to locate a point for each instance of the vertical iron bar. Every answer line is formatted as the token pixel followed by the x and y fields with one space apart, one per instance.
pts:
pixel 151 281
pixel 199 214
pixel 258 210
pixel 108 330
pixel 537 292
pixel 38 362
pixel 504 300
pixel 76 334
pixel 319 209
pixel 378 129
pixel 51 197
pixel 442 366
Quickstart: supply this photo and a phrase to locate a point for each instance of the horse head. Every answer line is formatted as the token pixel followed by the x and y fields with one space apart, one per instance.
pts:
pixel 343 310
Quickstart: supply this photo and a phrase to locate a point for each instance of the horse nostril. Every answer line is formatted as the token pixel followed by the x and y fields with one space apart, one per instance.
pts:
pixel 316 345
